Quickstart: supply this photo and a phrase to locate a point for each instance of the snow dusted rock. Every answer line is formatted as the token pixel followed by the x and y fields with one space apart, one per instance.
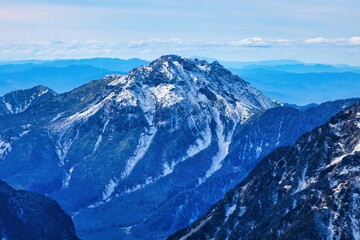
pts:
pixel 19 101
pixel 132 140
pixel 307 191
pixel 140 155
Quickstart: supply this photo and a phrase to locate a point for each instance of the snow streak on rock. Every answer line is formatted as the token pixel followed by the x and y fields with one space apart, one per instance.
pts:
pixel 142 147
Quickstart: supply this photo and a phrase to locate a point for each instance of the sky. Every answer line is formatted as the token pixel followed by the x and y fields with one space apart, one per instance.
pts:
pixel 322 31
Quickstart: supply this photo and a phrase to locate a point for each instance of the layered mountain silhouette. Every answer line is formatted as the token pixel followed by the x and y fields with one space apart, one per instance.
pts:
pixel 61 75
pixel 145 154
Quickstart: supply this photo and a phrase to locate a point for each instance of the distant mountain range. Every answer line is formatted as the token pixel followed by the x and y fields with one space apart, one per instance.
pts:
pixel 142 155
pixel 288 81
pixel 307 191
pixel 303 88
pixel 291 81
pixel 60 75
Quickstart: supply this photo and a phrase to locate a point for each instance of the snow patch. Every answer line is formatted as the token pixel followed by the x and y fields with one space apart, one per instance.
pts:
pixel 42 92
pixel 205 68
pixel 178 65
pixel 168 168
pixel 302 181
pixel 148 180
pixel 223 147
pixel 127 230
pixel 8 106
pixel 126 98
pixel 242 210
pixel 165 69
pixel 57 117
pixel 337 160
pixel 99 140
pixel 348 170
pixel 197 228
pixel 24 133
pixel 243 111
pixel 200 143
pixel 5 147
pixel 355 223
pixel 86 114
pixel 117 79
pixel 229 212
pixel 62 149
pixel 109 189
pixel 142 147
pixel 165 96
pixel 68 177
pixel 336 128
pixel 97 144
pixel 258 151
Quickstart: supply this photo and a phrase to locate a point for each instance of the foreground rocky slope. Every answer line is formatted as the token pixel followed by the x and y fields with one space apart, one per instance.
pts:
pixel 26 215
pixel 307 191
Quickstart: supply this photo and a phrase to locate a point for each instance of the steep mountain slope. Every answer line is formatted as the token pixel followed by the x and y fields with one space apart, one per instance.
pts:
pixel 280 126
pixel 124 146
pixel 307 191
pixel 21 100
pixel 26 215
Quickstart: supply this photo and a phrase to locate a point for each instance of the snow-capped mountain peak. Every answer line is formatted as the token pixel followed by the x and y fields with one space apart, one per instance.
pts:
pixel 19 101
pixel 172 79
pixel 170 122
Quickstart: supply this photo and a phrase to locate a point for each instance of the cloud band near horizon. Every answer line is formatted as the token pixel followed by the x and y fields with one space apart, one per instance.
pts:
pixel 150 48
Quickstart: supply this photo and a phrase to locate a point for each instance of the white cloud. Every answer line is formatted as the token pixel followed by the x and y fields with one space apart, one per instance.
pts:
pixel 339 42
pixel 54 49
pixel 318 40
pixel 261 42
pixel 140 43
pixel 354 41
pixel 150 48
pixel 246 42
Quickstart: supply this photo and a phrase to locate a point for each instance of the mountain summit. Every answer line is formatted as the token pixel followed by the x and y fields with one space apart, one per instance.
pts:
pixel 19 101
pixel 130 146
